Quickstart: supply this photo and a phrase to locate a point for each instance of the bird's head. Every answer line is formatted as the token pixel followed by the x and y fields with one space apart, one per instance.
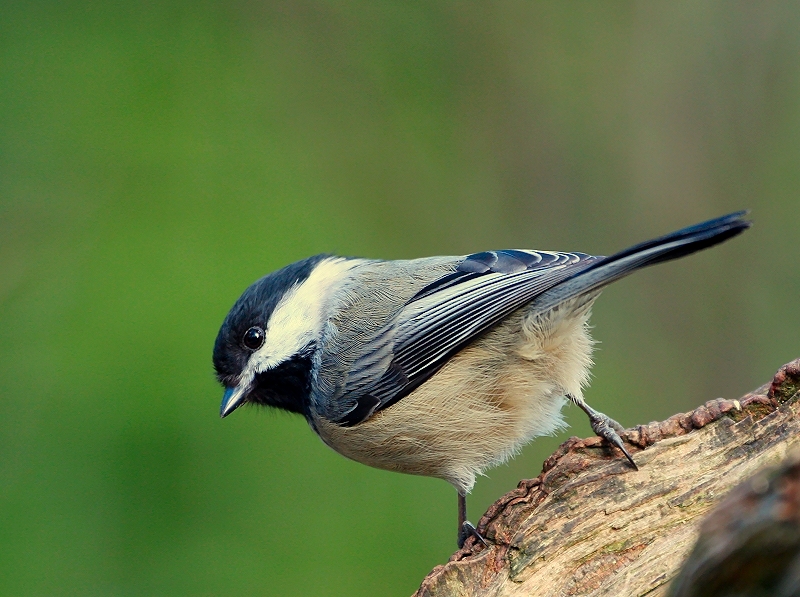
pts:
pixel 263 352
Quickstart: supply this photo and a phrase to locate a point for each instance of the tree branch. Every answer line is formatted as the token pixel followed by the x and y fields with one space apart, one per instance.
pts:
pixel 590 525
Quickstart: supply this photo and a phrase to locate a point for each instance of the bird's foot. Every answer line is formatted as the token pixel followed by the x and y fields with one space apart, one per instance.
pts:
pixel 609 430
pixel 467 529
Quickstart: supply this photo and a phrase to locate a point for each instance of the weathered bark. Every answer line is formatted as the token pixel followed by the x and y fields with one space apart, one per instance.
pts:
pixel 749 545
pixel 591 525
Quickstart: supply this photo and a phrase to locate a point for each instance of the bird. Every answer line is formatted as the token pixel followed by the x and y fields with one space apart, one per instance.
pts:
pixel 437 366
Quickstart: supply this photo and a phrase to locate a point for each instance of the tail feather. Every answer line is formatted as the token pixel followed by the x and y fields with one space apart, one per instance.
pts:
pixel 672 246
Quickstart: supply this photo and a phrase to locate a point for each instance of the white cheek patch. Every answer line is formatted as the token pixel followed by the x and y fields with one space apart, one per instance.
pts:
pixel 297 318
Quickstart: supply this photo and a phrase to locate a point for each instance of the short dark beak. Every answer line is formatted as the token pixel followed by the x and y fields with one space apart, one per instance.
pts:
pixel 231 400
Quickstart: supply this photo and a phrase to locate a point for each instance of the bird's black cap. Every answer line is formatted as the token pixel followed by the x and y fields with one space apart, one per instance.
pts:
pixel 254 308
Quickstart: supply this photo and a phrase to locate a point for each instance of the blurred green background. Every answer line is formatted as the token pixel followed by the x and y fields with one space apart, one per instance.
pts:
pixel 157 157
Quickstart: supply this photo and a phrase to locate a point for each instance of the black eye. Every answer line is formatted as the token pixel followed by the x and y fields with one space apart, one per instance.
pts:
pixel 253 338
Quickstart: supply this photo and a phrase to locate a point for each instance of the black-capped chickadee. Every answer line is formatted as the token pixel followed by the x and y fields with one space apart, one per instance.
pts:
pixel 441 366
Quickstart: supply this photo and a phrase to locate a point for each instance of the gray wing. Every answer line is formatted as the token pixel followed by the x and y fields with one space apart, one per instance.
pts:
pixel 442 318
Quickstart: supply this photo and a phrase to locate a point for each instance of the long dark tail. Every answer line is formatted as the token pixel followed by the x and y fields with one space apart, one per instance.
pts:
pixel 677 244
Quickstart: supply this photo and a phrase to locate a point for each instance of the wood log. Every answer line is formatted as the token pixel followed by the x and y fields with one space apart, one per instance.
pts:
pixel 591 525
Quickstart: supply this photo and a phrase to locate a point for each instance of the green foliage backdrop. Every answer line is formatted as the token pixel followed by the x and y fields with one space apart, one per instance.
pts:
pixel 157 157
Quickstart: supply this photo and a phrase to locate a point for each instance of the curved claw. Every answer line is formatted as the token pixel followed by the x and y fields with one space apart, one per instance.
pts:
pixel 467 529
pixel 607 428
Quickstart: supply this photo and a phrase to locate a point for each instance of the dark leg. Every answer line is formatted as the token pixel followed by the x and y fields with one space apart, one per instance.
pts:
pixel 604 426
pixel 465 527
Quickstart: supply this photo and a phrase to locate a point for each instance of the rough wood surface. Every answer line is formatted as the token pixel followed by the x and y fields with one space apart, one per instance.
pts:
pixel 591 525
pixel 749 545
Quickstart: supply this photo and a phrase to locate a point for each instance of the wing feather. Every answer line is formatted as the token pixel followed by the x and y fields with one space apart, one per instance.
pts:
pixel 443 317
pixel 464 298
